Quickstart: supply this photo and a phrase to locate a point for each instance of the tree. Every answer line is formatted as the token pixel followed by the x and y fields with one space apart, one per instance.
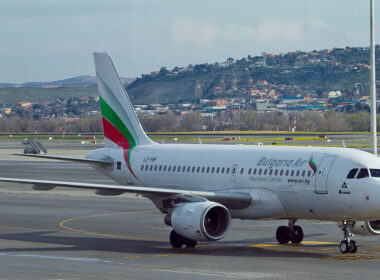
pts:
pixel 191 122
pixel 246 121
pixel 163 71
pixel 164 123
pixel 359 121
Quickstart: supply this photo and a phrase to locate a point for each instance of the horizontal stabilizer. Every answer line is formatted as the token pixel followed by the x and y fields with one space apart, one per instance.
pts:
pixel 82 160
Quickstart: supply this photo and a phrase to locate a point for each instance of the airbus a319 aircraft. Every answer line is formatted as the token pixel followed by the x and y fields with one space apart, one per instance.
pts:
pixel 201 187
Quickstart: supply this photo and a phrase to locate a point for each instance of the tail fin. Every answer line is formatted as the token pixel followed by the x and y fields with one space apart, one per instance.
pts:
pixel 120 123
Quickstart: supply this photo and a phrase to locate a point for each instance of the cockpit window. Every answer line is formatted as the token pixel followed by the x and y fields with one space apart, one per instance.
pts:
pixel 352 173
pixel 375 172
pixel 363 173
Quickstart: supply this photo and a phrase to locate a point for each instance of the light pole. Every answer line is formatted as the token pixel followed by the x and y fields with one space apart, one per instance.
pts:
pixel 373 81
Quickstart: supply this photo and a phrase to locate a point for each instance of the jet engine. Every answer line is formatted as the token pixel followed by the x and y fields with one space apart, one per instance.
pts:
pixel 366 228
pixel 200 221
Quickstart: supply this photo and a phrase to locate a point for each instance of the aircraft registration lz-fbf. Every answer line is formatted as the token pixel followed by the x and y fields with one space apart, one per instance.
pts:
pixel 202 187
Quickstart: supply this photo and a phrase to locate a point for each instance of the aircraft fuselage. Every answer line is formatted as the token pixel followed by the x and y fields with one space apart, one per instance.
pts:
pixel 284 182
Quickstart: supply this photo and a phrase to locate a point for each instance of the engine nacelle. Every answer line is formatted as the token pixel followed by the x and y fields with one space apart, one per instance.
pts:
pixel 200 221
pixel 366 228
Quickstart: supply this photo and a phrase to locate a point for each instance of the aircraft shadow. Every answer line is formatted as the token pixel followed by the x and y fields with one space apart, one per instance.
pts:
pixel 143 247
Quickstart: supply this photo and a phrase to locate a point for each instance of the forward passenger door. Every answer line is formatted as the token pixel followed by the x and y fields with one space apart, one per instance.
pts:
pixel 322 174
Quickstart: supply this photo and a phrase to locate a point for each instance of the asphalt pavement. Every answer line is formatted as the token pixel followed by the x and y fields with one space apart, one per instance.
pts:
pixel 75 234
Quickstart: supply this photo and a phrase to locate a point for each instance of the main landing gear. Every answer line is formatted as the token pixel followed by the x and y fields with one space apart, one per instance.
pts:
pixel 177 240
pixel 291 233
pixel 347 245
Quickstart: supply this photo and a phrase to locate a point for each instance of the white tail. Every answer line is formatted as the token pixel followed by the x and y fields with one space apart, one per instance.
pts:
pixel 120 123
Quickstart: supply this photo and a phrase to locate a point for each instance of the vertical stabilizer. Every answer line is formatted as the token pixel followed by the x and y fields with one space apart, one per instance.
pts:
pixel 120 123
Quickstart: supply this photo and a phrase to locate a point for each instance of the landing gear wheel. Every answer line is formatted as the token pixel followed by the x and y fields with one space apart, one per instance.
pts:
pixel 348 245
pixel 345 247
pixel 354 247
pixel 190 243
pixel 296 235
pixel 283 235
pixel 176 240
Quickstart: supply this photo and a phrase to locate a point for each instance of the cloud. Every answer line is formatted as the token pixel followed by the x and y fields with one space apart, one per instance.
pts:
pixel 279 31
pixel 233 35
pixel 193 33
pixel 317 23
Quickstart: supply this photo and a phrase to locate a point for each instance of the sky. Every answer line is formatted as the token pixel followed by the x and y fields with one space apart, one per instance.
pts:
pixel 46 40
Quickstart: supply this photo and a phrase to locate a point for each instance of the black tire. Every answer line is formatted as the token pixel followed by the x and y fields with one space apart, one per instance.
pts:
pixel 283 235
pixel 296 235
pixel 176 240
pixel 190 243
pixel 354 247
pixel 344 247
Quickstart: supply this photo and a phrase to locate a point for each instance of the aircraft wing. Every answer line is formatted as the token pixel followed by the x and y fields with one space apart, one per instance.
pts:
pixel 233 200
pixel 82 160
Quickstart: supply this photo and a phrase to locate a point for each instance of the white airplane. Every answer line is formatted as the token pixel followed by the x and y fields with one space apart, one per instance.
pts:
pixel 201 187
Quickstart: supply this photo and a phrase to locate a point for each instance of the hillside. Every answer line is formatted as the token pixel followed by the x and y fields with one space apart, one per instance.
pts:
pixel 10 96
pixel 305 73
pixel 45 92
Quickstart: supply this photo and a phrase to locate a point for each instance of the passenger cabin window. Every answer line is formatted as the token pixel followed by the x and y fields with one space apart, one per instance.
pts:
pixel 363 173
pixel 241 171
pixel 265 172
pixel 287 173
pixel 170 168
pixel 260 170
pixel 160 168
pixel 118 165
pixel 142 167
pixel 375 172
pixel 270 172
pixel 151 168
pixel 146 167
pixel 281 172
pixel 352 173
pixel 198 168
pixel 155 168
pixel 212 170
pixel 217 170
pixel 228 170
pixel 275 172
pixel 222 171
pixel 292 173
pixel 298 173
pixel 164 168
pixel 208 169
pixel 249 171
pixel 203 169
pixel 254 171
pixel 303 173
pixel 183 168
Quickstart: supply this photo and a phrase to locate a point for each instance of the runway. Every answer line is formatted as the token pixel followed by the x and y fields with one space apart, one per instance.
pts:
pixel 74 234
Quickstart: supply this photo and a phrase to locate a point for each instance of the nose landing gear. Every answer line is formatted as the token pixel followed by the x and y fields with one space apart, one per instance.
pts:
pixel 291 233
pixel 347 245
